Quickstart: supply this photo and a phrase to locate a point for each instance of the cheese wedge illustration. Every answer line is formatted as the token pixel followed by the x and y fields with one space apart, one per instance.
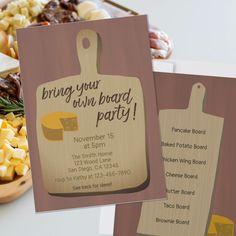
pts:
pixel 55 123
pixel 220 226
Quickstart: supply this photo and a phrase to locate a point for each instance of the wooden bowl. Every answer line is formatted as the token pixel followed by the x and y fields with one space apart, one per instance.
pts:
pixel 14 189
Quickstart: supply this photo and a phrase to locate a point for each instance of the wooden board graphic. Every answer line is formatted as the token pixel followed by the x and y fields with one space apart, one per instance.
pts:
pixel 190 143
pixel 93 126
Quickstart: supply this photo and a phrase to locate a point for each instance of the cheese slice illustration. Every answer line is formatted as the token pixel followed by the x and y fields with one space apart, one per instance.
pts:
pixel 54 124
pixel 91 129
pixel 220 226
pixel 191 142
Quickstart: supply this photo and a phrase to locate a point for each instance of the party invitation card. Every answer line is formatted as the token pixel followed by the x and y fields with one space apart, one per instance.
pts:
pixel 197 137
pixel 91 113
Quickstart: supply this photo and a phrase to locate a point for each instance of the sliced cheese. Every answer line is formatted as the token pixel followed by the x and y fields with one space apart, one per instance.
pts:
pixel 54 124
pixel 3 141
pixel 19 154
pixel 14 142
pixel 17 122
pixel 23 143
pixel 221 226
pixel 23 131
pixel 15 162
pixel 27 160
pixel 10 116
pixel 21 169
pixel 7 134
pixel 1 156
pixel 3 170
pixel 8 150
pixel 9 176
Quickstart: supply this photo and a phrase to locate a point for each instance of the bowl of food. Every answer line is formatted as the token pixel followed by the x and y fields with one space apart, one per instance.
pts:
pixel 15 174
pixel 26 13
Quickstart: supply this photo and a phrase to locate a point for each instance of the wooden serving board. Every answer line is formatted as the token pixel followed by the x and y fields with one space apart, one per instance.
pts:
pixel 13 190
pixel 108 134
pixel 190 143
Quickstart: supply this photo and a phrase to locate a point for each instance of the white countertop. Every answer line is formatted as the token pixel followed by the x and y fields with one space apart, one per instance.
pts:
pixel 202 31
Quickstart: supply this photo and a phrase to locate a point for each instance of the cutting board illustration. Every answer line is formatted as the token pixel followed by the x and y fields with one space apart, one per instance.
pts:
pixel 91 129
pixel 191 143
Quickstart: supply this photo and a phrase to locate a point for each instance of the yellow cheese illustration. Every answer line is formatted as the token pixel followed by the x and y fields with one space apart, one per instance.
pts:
pixel 54 124
pixel 220 226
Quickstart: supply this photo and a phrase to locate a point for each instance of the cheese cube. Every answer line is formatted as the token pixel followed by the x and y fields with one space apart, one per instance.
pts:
pixel 24 121
pixel 12 8
pixel 3 141
pixel 8 150
pixel 7 134
pixel 17 122
pixel 14 142
pixel 15 162
pixel 23 143
pixel 1 121
pixel 23 4
pixel 10 116
pixel 19 154
pixel 18 20
pixel 7 163
pixel 4 24
pixel 3 170
pixel 12 128
pixel 23 131
pixel 9 176
pixel 27 160
pixel 1 156
pixel 21 169
pixel 35 10
pixel 3 124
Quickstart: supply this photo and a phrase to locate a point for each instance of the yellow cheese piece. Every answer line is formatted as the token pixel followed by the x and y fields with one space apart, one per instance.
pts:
pixel 1 121
pixel 3 141
pixel 8 150
pixel 17 122
pixel 11 127
pixel 15 162
pixel 54 124
pixel 4 124
pixel 7 134
pixel 23 143
pixel 1 156
pixel 21 169
pixel 10 116
pixel 27 160
pixel 19 154
pixel 14 142
pixel 9 176
pixel 23 131
pixel 3 170
pixel 220 226
pixel 6 163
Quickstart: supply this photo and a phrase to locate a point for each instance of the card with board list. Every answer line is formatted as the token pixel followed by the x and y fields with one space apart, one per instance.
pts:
pixel 197 125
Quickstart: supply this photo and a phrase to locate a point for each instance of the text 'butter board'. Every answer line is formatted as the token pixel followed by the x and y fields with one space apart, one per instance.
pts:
pixel 90 102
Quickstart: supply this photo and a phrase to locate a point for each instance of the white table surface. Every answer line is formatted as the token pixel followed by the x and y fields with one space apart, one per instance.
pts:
pixel 203 30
